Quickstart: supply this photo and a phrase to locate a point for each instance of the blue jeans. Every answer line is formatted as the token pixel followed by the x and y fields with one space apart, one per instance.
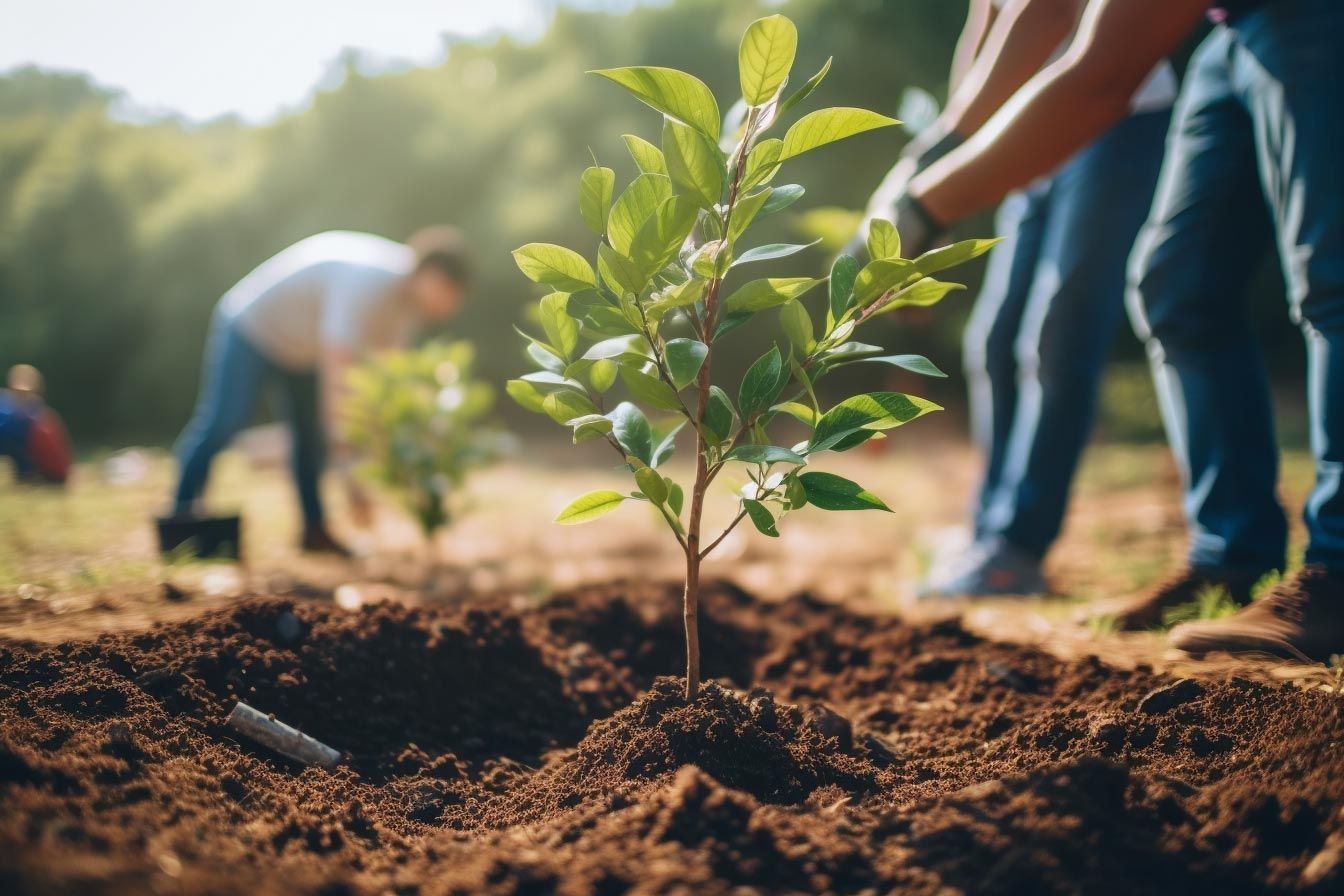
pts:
pixel 1256 155
pixel 1041 329
pixel 233 377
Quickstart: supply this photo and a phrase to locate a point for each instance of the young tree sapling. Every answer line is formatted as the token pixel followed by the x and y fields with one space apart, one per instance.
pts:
pixel 420 419
pixel 655 309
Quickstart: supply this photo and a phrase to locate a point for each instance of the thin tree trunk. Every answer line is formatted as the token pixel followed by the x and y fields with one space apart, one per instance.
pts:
pixel 690 615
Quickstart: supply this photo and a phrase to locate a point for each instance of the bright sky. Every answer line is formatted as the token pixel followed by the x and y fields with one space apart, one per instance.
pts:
pixel 204 58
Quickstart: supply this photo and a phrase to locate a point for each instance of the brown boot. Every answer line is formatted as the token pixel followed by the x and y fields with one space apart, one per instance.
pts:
pixel 1302 618
pixel 1146 612
pixel 317 540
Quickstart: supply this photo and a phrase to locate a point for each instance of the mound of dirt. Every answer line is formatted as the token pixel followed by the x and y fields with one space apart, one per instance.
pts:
pixel 496 750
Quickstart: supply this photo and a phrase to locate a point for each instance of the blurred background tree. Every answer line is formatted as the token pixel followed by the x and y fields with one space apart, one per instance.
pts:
pixel 117 237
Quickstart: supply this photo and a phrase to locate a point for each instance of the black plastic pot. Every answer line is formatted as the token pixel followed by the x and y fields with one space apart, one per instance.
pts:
pixel 201 536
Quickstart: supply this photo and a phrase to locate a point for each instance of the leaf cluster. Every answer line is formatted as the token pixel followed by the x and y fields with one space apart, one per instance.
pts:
pixel 627 334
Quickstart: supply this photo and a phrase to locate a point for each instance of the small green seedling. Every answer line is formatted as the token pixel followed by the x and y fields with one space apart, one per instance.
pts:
pixel 672 283
pixel 1211 602
pixel 420 419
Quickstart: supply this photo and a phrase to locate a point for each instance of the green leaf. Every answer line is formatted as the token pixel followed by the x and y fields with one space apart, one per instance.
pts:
pixel 871 412
pixel 879 277
pixel 675 498
pixel 561 329
pixel 883 240
pixel 761 517
pixel 632 431
pixel 545 357
pixel 745 212
pixel 565 405
pixel 621 275
pixel 527 395
pixel 590 507
pixel 671 92
pixel 797 324
pixel 913 363
pixel 794 493
pixel 843 274
pixel 800 412
pixel 649 389
pixel 922 292
pixel 936 260
pixel 772 251
pixel 765 454
pixel 694 163
pixel 663 453
pixel 762 383
pixel 589 427
pixel 608 322
pixel 679 296
pixel 765 57
pixel 596 186
pixel 781 197
pixel 626 347
pixel 684 359
pixel 650 483
pixel 730 322
pixel 648 158
pixel 827 126
pixel 805 91
pixel 602 374
pixel 556 266
pixel 831 492
pixel 720 418
pixel 661 236
pixel 636 204
pixel 762 162
pixel 757 295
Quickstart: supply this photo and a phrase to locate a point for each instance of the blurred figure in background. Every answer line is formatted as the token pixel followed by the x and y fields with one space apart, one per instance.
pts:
pixel 299 322
pixel 1253 159
pixel 32 435
pixel 1053 297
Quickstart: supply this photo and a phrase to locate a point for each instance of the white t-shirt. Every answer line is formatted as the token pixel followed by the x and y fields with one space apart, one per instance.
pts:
pixel 338 288
pixel 1158 90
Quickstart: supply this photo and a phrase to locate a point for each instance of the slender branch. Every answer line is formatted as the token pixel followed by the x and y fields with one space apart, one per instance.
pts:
pixel 741 515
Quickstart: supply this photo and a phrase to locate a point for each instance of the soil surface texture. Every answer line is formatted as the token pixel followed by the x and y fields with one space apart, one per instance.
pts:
pixel 503 748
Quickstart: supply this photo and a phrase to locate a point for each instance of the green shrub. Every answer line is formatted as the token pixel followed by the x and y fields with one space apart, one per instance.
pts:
pixel 657 306
pixel 420 419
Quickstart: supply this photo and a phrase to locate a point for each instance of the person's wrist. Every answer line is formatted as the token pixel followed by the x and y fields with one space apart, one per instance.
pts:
pixel 945 144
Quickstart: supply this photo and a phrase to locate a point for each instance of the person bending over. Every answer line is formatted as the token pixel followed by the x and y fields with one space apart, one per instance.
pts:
pixel 299 322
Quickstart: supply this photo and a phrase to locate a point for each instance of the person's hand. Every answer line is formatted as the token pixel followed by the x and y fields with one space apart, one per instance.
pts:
pixel 892 202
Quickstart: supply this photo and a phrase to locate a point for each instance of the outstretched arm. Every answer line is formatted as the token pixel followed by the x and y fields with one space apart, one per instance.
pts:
pixel 979 18
pixel 1022 39
pixel 1057 112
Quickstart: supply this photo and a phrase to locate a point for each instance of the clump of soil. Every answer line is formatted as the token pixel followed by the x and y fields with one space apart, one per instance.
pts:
pixel 503 751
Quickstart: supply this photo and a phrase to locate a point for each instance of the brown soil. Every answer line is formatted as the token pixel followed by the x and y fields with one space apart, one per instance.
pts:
pixel 506 750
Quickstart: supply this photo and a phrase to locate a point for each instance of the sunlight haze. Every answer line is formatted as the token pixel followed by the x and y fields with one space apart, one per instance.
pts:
pixel 253 58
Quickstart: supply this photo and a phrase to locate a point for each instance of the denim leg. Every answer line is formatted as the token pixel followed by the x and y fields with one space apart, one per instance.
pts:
pixel 1208 228
pixel 991 370
pixel 232 376
pixel 307 449
pixel 1075 305
pixel 1289 69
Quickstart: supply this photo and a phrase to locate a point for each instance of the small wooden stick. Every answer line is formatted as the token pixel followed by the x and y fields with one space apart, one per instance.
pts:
pixel 281 738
